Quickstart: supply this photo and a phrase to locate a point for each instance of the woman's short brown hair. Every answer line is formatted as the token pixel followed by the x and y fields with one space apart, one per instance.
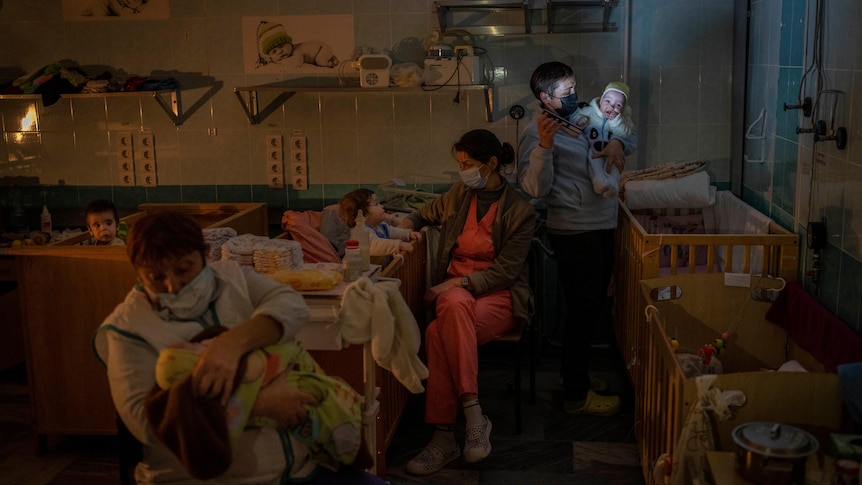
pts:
pixel 161 236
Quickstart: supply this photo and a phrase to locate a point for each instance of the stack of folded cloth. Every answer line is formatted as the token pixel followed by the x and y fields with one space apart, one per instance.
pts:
pixel 275 254
pixel 241 249
pixel 216 237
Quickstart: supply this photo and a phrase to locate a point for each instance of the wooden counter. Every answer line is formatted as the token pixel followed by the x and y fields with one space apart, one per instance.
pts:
pixel 245 218
pixel 65 293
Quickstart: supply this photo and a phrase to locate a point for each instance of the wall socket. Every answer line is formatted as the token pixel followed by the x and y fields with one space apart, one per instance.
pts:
pixel 276 181
pixel 124 139
pixel 299 183
pixel 145 139
pixel 275 168
pixel 297 140
pixel 273 141
pixel 125 159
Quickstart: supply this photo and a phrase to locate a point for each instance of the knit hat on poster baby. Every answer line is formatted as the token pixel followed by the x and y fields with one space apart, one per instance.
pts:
pixel 617 86
pixel 271 35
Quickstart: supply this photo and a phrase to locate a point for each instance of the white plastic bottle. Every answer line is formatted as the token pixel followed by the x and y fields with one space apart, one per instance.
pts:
pixel 360 234
pixel 352 262
pixel 46 220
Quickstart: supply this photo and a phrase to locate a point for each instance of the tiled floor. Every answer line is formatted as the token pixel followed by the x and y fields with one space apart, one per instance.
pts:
pixel 554 447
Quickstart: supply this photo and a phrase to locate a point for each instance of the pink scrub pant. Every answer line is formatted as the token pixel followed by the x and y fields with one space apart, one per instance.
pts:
pixel 463 323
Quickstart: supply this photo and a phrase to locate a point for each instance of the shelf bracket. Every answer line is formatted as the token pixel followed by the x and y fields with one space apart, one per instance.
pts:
pixel 173 107
pixel 605 26
pixel 444 8
pixel 250 103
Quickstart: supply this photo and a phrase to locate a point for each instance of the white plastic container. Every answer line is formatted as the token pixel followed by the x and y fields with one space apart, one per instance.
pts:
pixel 46 220
pixel 360 234
pixel 352 261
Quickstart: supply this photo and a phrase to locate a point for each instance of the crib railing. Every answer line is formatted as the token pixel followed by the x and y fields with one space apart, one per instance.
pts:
pixel 637 259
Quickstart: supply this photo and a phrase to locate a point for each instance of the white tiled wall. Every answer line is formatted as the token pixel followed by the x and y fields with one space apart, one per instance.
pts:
pixel 680 83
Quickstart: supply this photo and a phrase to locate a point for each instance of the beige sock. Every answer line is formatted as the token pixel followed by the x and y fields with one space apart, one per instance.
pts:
pixel 473 413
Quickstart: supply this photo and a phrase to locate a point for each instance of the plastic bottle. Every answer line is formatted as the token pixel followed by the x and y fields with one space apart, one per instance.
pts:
pixel 46 220
pixel 352 262
pixel 360 234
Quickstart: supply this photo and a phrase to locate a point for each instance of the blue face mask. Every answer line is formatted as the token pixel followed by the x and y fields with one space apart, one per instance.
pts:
pixel 192 300
pixel 473 178
pixel 569 105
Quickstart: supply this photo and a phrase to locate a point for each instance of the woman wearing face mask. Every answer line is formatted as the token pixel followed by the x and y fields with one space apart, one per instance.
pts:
pixel 554 166
pixel 480 291
pixel 179 294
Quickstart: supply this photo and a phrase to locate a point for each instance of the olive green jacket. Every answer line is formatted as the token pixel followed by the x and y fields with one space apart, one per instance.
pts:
pixel 512 235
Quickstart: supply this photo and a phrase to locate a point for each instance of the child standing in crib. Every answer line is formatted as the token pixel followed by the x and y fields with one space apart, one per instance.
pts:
pixel 385 240
pixel 610 117
pixel 102 223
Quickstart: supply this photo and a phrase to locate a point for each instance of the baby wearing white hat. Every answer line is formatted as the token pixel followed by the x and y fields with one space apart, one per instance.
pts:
pixel 610 117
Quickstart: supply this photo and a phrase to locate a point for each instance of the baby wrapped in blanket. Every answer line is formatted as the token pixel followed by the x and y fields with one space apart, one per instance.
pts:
pixel 201 431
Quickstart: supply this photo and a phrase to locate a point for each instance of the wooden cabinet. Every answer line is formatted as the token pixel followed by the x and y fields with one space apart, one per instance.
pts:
pixel 11 328
pixel 66 292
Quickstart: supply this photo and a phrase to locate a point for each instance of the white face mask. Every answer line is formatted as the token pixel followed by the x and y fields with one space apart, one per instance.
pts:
pixel 473 178
pixel 192 300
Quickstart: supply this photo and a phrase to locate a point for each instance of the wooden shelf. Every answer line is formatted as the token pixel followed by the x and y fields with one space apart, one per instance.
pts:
pixel 249 96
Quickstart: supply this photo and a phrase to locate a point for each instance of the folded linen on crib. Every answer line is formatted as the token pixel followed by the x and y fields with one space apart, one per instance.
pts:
pixel 731 215
pixel 377 313
pixel 688 192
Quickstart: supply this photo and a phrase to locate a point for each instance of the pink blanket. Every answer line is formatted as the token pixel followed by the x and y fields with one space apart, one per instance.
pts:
pixel 814 328
pixel 304 227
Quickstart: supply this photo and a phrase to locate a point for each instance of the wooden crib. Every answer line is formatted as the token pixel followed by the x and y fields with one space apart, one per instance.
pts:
pixel 638 258
pixel 703 308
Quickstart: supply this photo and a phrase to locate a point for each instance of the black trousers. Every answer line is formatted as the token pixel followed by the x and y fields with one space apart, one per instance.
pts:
pixel 584 265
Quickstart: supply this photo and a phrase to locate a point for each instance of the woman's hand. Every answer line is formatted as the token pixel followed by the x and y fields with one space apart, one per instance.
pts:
pixel 405 246
pixel 415 236
pixel 615 155
pixel 283 403
pixel 435 291
pixel 548 127
pixel 214 374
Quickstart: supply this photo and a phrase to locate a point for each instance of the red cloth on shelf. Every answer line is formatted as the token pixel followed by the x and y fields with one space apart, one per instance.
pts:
pixel 814 328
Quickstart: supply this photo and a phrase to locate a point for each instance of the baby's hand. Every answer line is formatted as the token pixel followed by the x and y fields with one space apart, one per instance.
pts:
pixel 406 246
pixel 415 236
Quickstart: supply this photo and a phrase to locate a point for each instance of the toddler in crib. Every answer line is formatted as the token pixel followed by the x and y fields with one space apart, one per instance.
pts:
pixel 385 240
pixel 102 223
pixel 610 116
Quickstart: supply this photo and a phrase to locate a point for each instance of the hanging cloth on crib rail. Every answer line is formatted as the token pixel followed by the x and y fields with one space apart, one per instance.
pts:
pixel 377 313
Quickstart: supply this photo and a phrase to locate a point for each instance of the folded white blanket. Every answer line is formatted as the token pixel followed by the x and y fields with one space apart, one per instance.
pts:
pixel 689 192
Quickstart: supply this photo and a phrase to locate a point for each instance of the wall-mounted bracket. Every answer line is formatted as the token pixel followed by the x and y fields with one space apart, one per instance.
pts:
pixel 172 106
pixel 481 9
pixel 249 101
pixel 605 25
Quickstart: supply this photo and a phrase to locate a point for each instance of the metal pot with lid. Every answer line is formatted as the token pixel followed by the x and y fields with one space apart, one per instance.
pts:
pixel 772 452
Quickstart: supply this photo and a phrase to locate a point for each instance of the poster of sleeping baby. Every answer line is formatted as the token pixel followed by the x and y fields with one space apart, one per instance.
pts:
pixel 313 44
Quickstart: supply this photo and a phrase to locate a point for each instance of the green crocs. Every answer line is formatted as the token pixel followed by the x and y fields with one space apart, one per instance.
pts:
pixel 594 405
